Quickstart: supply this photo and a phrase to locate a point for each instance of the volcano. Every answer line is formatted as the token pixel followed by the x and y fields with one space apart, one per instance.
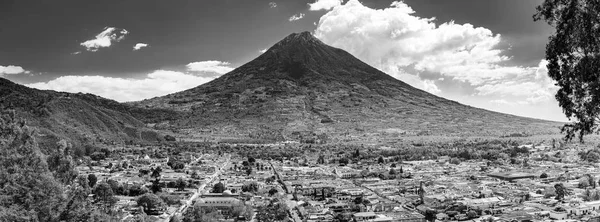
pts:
pixel 303 89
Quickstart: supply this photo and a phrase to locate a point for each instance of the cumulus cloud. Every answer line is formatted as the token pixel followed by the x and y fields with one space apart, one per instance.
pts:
pixel 324 4
pixel 272 4
pixel 405 46
pixel 536 86
pixel 210 66
pixel 296 17
pixel 139 46
pixel 157 83
pixel 105 39
pixel 11 70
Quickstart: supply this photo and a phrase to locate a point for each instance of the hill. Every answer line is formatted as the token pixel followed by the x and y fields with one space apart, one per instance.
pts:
pixel 303 89
pixel 79 118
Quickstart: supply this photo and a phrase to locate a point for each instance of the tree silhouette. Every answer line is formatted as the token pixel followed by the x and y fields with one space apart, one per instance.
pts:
pixel 573 61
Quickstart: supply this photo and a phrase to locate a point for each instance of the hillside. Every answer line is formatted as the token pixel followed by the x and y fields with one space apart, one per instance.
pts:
pixel 80 118
pixel 303 89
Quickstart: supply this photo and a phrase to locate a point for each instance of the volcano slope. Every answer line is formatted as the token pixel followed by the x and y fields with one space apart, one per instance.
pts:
pixel 303 89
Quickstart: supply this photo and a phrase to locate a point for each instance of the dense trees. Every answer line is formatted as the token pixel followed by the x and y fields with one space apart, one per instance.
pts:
pixel 276 210
pixel 205 214
pixel 104 195
pixel 151 203
pixel 180 184
pixel 251 187
pixel 572 54
pixel 29 190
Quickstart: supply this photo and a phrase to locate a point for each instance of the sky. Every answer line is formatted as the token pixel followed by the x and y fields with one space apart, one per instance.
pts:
pixel 487 54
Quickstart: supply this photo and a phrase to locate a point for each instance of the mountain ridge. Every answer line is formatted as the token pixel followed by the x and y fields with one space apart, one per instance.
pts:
pixel 77 117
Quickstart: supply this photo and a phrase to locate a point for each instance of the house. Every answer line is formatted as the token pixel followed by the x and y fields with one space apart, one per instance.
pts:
pixel 364 216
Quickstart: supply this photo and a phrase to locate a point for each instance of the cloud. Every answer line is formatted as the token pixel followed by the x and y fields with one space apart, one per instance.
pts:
pixel 139 46
pixel 272 4
pixel 324 4
pixel 421 53
pixel 262 51
pixel 535 87
pixel 210 66
pixel 11 70
pixel 76 53
pixel 296 17
pixel 157 83
pixel 105 39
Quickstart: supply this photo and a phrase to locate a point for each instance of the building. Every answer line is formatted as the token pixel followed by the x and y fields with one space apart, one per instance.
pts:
pixel 511 176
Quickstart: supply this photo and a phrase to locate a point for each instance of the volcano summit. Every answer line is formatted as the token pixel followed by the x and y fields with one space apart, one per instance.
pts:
pixel 301 88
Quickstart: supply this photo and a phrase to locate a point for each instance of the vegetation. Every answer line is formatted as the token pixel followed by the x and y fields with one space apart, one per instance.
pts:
pixel 151 203
pixel 572 55
pixel 218 188
pixel 276 210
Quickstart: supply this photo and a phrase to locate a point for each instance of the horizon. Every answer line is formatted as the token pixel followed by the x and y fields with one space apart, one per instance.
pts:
pixel 464 55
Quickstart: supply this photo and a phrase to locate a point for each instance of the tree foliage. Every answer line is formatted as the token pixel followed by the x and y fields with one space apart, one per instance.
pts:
pixel 218 188
pixel 28 191
pixel 151 203
pixel 276 210
pixel 573 61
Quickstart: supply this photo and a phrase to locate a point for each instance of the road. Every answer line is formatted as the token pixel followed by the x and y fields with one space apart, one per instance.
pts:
pixel 290 203
pixel 200 189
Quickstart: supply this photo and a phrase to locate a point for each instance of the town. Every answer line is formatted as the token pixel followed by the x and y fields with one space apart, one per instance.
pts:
pixel 299 182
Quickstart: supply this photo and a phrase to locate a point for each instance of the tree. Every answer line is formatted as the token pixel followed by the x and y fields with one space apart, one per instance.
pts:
pixel 242 210
pixel 321 159
pixel 572 54
pixel 393 165
pixel 272 191
pixel 156 172
pixel 392 171
pixel 430 215
pixel 344 161
pixel 251 187
pixel 270 180
pixel 276 210
pixel 180 184
pixel 205 214
pixel 544 175
pixel 356 153
pixel 104 195
pixel 591 180
pixel 218 188
pixel 28 191
pixel 116 187
pixel 156 186
pixel 92 179
pixel 249 171
pixel 61 163
pixel 561 191
pixel 380 160
pixel 151 203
